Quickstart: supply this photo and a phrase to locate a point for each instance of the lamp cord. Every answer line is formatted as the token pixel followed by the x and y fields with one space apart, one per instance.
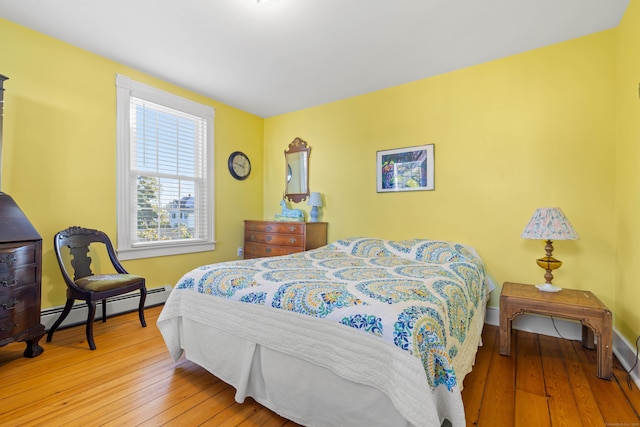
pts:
pixel 553 322
pixel 634 365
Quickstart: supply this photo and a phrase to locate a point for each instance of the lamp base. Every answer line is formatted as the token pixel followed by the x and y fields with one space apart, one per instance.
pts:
pixel 548 287
pixel 314 214
pixel 548 263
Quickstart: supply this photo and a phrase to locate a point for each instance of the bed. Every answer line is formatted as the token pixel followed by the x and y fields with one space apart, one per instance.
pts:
pixel 361 332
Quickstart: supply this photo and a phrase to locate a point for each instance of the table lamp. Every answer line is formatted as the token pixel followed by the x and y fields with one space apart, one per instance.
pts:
pixel 549 224
pixel 315 201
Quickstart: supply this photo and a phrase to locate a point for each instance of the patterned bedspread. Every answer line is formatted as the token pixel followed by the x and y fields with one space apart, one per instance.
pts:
pixel 417 295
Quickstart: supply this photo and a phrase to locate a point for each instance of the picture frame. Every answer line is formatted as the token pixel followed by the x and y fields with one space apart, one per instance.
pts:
pixel 405 169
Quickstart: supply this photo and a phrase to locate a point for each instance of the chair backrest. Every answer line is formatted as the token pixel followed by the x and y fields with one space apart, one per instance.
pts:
pixel 78 240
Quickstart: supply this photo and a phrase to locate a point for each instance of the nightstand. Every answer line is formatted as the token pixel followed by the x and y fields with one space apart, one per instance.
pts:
pixel 595 317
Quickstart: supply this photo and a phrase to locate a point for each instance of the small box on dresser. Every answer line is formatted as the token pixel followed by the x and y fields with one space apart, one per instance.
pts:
pixel 20 278
pixel 274 238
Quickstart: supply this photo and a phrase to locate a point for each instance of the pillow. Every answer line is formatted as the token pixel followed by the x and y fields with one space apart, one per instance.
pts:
pixel 364 247
pixel 423 250
pixel 432 251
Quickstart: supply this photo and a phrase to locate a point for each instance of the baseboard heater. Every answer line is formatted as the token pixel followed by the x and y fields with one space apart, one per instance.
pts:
pixel 116 305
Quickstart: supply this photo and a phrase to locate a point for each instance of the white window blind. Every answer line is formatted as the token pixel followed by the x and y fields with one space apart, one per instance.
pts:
pixel 165 172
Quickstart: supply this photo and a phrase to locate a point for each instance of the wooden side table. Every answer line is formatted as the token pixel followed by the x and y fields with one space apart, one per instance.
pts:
pixel 595 317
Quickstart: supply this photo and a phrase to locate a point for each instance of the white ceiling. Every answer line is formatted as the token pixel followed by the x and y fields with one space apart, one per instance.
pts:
pixel 285 55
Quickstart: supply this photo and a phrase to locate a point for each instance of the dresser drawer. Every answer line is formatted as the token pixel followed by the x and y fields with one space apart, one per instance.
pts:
pixel 16 323
pixel 19 300
pixel 275 227
pixel 16 278
pixel 255 250
pixel 295 240
pixel 18 311
pixel 14 256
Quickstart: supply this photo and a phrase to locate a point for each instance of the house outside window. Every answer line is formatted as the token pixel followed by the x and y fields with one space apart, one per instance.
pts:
pixel 182 213
pixel 165 172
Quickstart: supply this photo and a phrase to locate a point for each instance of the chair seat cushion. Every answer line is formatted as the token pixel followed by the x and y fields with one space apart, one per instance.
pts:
pixel 105 282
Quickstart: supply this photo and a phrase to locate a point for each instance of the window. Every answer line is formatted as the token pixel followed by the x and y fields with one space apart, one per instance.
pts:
pixel 165 172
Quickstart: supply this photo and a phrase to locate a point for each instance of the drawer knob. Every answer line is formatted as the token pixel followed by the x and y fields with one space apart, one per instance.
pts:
pixel 268 228
pixel 267 250
pixel 6 284
pixel 9 307
pixel 292 240
pixel 8 259
pixel 292 228
pixel 268 238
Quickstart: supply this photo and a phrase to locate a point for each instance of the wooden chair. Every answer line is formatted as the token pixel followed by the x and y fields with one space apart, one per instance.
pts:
pixel 88 286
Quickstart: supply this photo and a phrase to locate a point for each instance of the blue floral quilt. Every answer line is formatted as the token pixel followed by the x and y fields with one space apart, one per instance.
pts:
pixel 418 295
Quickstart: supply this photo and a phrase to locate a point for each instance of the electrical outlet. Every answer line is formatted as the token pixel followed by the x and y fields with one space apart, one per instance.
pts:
pixel 240 252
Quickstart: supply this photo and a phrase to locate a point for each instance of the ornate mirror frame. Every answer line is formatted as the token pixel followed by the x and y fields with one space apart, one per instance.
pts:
pixel 296 187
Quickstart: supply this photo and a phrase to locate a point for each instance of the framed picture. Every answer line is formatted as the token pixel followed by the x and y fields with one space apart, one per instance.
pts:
pixel 405 169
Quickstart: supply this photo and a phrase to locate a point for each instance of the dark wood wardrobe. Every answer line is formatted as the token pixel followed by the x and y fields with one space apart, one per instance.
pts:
pixel 20 271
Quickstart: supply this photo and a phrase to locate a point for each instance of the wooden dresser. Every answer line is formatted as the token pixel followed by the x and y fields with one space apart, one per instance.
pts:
pixel 274 238
pixel 20 277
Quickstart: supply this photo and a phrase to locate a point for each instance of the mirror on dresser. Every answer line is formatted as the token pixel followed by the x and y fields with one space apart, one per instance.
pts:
pixel 297 171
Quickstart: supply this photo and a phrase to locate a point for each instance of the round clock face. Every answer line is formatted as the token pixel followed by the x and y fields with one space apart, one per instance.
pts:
pixel 239 165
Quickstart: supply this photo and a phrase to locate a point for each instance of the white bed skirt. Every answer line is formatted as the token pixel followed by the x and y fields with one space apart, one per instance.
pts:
pixel 295 389
pixel 330 385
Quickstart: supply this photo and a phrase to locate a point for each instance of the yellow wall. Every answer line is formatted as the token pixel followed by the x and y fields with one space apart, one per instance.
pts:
pixel 531 130
pixel 59 152
pixel 627 219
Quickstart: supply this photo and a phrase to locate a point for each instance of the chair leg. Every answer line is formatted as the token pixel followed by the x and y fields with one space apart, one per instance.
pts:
pixel 63 315
pixel 143 297
pixel 104 310
pixel 91 306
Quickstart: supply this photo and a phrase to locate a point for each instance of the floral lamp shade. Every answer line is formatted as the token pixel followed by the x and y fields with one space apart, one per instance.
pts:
pixel 549 224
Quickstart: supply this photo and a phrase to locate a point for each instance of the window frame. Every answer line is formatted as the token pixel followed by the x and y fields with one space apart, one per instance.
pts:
pixel 126 186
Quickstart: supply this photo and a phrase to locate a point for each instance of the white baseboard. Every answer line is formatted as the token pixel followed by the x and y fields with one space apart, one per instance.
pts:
pixel 569 329
pixel 626 354
pixel 116 305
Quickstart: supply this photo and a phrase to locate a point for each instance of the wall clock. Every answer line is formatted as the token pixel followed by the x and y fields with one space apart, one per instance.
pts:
pixel 239 165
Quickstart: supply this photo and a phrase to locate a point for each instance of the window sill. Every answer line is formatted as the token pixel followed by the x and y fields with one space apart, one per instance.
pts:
pixel 151 251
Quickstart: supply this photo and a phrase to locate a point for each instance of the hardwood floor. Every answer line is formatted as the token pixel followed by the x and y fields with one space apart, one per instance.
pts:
pixel 131 380
pixel 546 382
